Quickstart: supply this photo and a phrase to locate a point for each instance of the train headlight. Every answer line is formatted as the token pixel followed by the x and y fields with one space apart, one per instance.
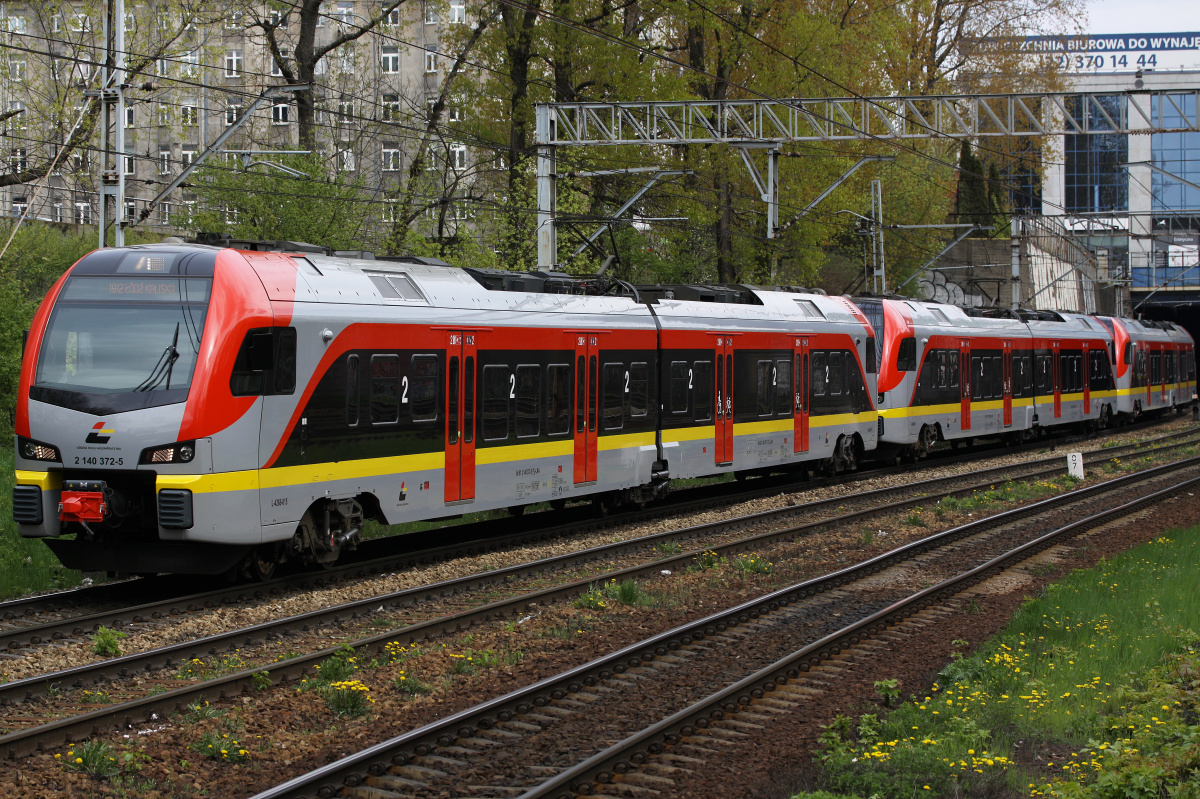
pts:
pixel 36 450
pixel 183 452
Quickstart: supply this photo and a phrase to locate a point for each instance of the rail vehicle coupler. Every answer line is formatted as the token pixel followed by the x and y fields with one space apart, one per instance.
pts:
pixel 82 501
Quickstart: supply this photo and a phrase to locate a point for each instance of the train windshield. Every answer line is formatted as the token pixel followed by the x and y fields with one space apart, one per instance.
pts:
pixel 122 342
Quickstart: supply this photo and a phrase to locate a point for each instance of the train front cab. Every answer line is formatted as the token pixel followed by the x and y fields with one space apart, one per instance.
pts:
pixel 1155 364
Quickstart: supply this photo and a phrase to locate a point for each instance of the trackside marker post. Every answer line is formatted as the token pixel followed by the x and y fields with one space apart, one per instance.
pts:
pixel 1075 464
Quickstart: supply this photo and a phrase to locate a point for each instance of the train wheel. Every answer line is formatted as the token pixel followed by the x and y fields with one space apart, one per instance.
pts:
pixel 926 440
pixel 516 510
pixel 262 562
pixel 603 505
pixel 845 459
pixel 558 504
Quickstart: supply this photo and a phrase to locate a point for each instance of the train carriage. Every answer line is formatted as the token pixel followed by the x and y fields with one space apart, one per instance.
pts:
pixel 1154 363
pixel 193 408
pixel 949 373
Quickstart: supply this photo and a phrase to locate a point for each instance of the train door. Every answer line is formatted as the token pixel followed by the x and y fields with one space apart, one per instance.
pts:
pixel 724 380
pixel 1085 376
pixel 1056 376
pixel 964 360
pixel 1008 383
pixel 460 415
pixel 803 377
pixel 587 348
pixel 1162 374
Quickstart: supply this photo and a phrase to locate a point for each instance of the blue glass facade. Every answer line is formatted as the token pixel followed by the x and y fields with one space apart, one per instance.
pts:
pixel 1177 153
pixel 1094 182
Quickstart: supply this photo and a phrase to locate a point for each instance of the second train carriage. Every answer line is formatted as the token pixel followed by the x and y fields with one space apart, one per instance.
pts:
pixel 949 373
pixel 1154 363
pixel 184 407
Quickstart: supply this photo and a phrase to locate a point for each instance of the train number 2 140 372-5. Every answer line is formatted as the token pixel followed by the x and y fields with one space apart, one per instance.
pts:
pixel 81 460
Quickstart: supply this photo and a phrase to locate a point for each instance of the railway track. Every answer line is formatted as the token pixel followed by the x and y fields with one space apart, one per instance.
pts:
pixel 640 717
pixel 444 610
pixel 67 615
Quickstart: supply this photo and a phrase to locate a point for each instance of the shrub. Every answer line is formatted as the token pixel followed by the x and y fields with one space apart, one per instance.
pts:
pixel 106 642
pixel 347 698
pixel 219 746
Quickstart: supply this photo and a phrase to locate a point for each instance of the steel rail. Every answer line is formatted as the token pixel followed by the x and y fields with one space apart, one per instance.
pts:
pixel 151 707
pixel 625 755
pixel 354 770
pixel 428 547
pixel 28 688
pixel 74 626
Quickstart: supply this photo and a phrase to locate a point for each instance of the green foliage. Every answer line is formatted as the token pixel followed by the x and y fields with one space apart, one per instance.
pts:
pixel 107 642
pixel 326 207
pixel 708 559
pixel 220 747
pixel 26 564
pixel 752 564
pixel 591 599
pixel 201 711
pixel 410 685
pixel 96 758
pixel 262 680
pixel 347 698
pixel 889 690
pixel 628 592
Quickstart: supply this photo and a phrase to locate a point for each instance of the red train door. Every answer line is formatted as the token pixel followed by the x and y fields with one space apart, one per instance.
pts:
pixel 1056 376
pixel 586 379
pixel 803 373
pixel 964 360
pixel 460 415
pixel 724 382
pixel 1008 383
pixel 1085 376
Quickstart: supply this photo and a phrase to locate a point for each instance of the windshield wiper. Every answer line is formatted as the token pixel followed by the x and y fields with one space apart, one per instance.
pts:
pixel 163 366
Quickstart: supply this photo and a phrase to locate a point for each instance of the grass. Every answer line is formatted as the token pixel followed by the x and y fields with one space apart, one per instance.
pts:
pixel 26 564
pixel 1099 677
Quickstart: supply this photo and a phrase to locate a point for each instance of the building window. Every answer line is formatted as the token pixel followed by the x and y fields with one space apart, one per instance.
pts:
pixel 130 210
pixel 391 107
pixel 128 116
pixel 163 114
pixel 276 67
pixel 162 67
pixel 390 17
pixel 57 212
pixel 233 22
pixel 20 159
pixel 458 156
pixel 345 13
pixel 346 160
pixel 278 18
pixel 345 112
pixel 129 163
pixel 164 162
pixel 83 213
pixel 13 23
pixel 391 158
pixel 452 114
pixel 16 67
pixel 18 117
pixel 388 214
pixel 164 213
pixel 346 59
pixel 188 115
pixel 1175 153
pixel 190 64
pixel 187 155
pixel 232 112
pixel 233 63
pixel 458 12
pixel 80 23
pixel 1093 180
pixel 431 60
pixel 279 114
pixel 431 16
pixel 20 206
pixel 391 60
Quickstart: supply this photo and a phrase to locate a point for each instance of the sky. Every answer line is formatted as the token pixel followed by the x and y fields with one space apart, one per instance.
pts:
pixel 1143 16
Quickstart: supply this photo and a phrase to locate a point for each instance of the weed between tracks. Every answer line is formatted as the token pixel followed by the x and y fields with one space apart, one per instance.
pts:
pixel 1093 691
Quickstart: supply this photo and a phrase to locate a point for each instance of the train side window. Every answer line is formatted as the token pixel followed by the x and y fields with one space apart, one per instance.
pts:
pixel 679 386
pixel 558 415
pixel 836 384
pixel 423 388
pixel 497 391
pixel 766 387
pixel 783 387
pixel 385 389
pixel 906 355
pixel 469 399
pixel 953 368
pixel 452 402
pixel 820 374
pixel 976 377
pixel 871 362
pixel 998 376
pixel 352 391
pixel 702 390
pixel 942 378
pixel 1128 352
pixel 529 400
pixel 639 381
pixel 265 363
pixel 581 399
pixel 614 396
